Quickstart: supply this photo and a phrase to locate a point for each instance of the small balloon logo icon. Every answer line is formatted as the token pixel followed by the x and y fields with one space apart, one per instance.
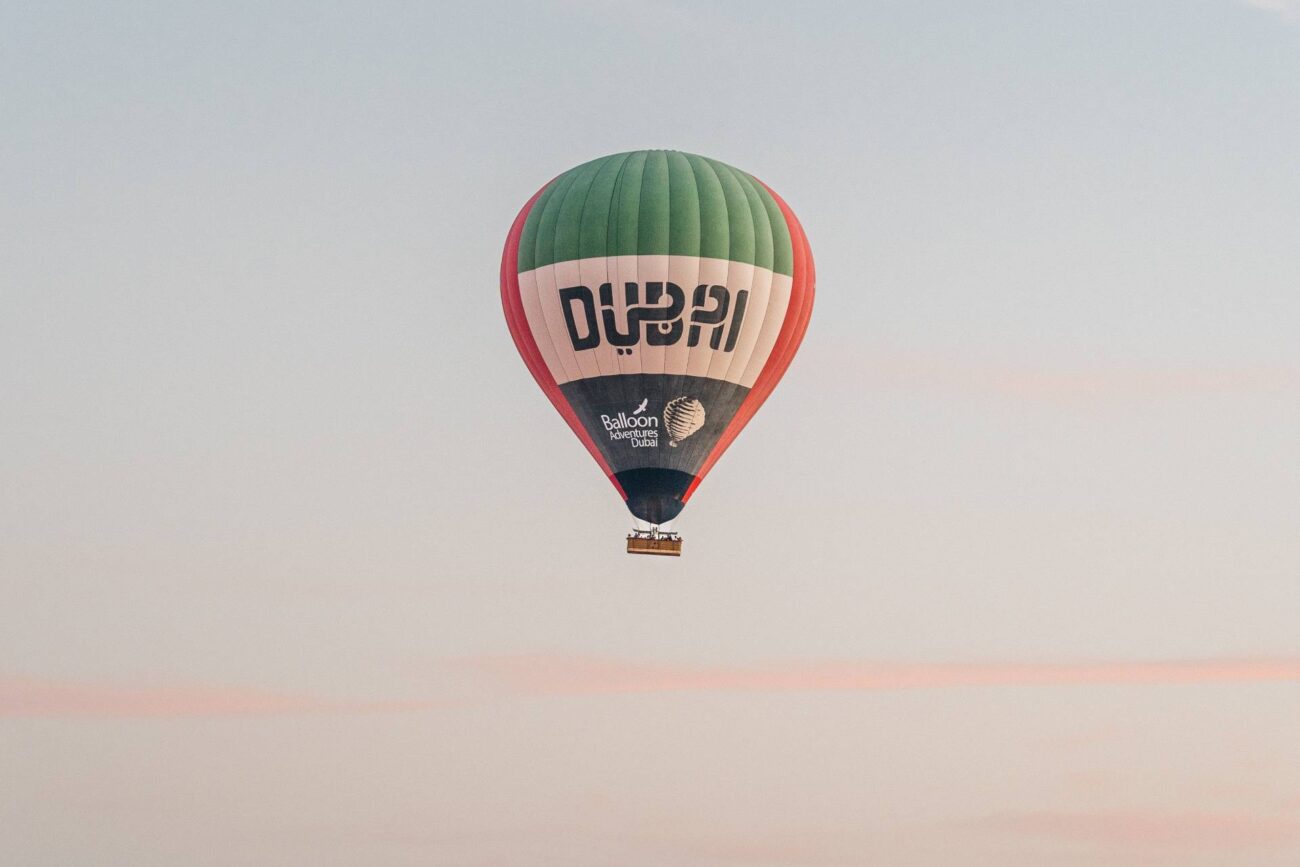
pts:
pixel 683 416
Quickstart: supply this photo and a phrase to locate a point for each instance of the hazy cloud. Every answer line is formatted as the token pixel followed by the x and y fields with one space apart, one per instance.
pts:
pixel 1288 10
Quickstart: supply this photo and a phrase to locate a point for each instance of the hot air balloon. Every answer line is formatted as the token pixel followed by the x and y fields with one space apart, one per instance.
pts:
pixel 657 297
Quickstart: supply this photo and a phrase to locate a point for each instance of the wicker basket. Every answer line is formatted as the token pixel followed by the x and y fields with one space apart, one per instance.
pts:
pixel 664 547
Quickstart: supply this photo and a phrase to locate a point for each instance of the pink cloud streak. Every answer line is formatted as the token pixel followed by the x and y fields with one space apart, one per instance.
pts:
pixel 1181 831
pixel 41 698
pixel 917 371
pixel 581 675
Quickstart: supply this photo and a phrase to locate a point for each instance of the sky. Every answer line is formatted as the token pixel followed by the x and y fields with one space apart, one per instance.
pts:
pixel 298 566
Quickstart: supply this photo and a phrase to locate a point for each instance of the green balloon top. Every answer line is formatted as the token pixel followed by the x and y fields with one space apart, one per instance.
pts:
pixel 656 202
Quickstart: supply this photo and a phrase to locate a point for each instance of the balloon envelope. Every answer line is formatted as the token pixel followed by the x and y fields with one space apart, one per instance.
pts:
pixel 657 297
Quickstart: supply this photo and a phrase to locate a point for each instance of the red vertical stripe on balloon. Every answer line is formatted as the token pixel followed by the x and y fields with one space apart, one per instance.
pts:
pixel 517 321
pixel 797 315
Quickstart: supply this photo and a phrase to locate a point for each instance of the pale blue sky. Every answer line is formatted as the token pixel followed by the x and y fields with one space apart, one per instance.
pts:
pixel 275 488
